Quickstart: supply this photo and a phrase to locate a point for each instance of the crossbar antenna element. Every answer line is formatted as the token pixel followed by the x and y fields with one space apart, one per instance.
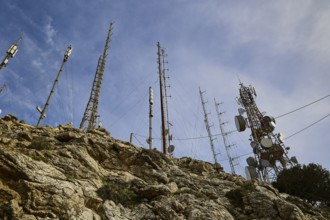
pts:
pixel 224 135
pixel 11 52
pixel 208 127
pixel 90 117
pixel 43 111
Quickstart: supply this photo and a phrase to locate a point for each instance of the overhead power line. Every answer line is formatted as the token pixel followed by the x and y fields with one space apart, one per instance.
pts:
pixel 297 109
pixel 242 155
pixel 189 138
pixel 307 127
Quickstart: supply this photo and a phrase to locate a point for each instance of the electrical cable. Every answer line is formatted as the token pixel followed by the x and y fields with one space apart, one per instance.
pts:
pixel 125 113
pixel 138 140
pixel 302 107
pixel 143 81
pixel 242 155
pixel 190 138
pixel 307 127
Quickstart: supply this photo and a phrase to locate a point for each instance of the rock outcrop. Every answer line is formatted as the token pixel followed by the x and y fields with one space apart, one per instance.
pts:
pixel 64 173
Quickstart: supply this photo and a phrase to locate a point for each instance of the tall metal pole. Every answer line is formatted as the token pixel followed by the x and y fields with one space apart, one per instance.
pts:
pixel 2 87
pixel 206 120
pixel 167 124
pixel 160 70
pixel 224 136
pixel 151 102
pixel 43 112
pixel 10 53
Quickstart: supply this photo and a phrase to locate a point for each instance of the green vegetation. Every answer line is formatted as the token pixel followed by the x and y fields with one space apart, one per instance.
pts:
pixel 119 193
pixel 187 190
pixel 38 145
pixel 236 196
pixel 309 182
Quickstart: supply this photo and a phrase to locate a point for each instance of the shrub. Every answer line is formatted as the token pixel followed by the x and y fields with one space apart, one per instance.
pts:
pixel 119 193
pixel 37 145
pixel 309 182
pixel 236 196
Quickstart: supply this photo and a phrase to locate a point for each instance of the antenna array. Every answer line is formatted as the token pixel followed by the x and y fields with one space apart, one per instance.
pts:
pixel 166 136
pixel 270 153
pixel 224 135
pixel 208 127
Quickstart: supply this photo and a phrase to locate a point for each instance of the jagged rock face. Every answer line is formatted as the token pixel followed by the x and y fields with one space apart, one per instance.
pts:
pixel 63 173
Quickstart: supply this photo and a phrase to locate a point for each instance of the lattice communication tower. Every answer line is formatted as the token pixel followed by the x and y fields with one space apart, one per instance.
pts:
pixel 270 152
pixel 90 118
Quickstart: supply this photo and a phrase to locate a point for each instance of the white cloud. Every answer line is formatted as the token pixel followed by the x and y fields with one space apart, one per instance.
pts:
pixel 50 31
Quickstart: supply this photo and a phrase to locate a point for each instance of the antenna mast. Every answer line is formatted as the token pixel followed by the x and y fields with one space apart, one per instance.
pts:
pixel 268 148
pixel 224 136
pixel 208 127
pixel 151 102
pixel 163 102
pixel 2 88
pixel 89 120
pixel 43 111
pixel 11 52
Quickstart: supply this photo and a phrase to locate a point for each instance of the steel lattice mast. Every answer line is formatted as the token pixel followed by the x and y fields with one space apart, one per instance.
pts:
pixel 268 148
pixel 224 136
pixel 89 120
pixel 208 127
pixel 43 111
pixel 11 52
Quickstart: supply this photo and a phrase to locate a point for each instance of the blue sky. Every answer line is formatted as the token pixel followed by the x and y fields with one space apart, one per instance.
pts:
pixel 282 48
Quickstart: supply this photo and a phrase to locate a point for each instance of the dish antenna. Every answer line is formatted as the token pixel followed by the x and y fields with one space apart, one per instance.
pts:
pixel 170 149
pixel 240 123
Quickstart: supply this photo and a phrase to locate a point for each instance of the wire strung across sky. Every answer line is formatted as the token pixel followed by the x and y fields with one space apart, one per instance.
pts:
pixel 242 155
pixel 201 137
pixel 189 138
pixel 307 127
pixel 297 109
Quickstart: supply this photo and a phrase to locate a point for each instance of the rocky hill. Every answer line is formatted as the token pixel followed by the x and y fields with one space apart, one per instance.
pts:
pixel 63 173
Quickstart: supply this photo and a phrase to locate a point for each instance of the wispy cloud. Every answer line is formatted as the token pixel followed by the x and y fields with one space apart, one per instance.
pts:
pixel 50 31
